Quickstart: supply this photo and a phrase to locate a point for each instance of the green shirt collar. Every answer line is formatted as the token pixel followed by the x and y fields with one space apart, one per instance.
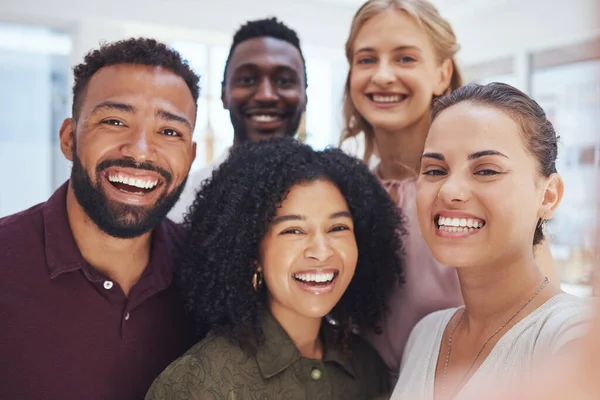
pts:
pixel 278 352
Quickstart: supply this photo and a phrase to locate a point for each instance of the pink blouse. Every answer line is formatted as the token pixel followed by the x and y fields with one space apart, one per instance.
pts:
pixel 429 285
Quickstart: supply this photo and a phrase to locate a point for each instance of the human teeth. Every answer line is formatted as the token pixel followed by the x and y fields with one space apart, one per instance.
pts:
pixel 264 118
pixel 140 183
pixel 386 99
pixel 462 223
pixel 318 277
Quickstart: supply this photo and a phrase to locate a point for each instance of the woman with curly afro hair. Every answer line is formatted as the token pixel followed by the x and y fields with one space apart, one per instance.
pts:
pixel 291 252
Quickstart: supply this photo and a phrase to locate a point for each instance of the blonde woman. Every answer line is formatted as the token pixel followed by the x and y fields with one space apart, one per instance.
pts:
pixel 402 57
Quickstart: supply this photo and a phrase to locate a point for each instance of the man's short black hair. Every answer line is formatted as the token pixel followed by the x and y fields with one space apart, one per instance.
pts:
pixel 268 27
pixel 141 51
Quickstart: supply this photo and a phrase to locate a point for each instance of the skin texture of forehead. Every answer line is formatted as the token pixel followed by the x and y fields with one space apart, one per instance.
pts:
pixel 135 80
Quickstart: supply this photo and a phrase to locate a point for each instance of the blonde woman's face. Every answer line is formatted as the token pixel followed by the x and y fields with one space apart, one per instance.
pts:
pixel 395 72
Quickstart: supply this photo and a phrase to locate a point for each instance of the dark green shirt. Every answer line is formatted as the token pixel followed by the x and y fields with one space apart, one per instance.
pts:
pixel 216 368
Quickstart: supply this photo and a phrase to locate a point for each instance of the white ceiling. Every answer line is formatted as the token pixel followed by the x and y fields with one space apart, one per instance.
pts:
pixel 357 3
pixel 444 6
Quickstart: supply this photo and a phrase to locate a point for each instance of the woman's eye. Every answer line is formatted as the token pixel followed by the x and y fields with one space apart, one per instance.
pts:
pixel 291 231
pixel 340 228
pixel 435 172
pixel 406 59
pixel 487 172
pixel 365 61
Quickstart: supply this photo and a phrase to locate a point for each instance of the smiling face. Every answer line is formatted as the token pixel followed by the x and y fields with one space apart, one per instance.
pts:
pixel 131 147
pixel 480 193
pixel 264 89
pixel 309 252
pixel 395 72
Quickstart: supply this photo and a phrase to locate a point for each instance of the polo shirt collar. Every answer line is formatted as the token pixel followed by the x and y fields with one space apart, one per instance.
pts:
pixel 63 255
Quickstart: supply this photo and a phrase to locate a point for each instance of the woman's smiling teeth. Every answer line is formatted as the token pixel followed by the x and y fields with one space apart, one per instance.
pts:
pixel 392 98
pixel 448 224
pixel 315 278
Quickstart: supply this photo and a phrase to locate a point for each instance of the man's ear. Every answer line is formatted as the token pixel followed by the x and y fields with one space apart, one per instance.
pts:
pixel 223 98
pixel 67 138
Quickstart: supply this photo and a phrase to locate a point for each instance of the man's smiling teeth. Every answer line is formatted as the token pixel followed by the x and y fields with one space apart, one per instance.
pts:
pixel 265 118
pixel 140 183
pixel 459 224
pixel 319 277
pixel 387 99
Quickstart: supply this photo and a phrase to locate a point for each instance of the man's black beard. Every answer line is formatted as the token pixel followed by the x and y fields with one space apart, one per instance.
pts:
pixel 120 220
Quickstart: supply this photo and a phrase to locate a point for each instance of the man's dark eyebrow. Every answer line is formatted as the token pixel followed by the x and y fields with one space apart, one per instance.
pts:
pixel 484 153
pixel 435 156
pixel 172 117
pixel 277 68
pixel 110 105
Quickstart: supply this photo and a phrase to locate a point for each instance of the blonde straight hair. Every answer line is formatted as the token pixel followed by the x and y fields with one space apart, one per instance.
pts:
pixel 441 35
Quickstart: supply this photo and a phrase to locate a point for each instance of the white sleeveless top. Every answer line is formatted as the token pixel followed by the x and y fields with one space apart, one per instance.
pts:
pixel 516 355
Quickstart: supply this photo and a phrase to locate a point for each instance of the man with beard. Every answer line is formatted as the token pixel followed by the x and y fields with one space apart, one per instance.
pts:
pixel 264 89
pixel 88 308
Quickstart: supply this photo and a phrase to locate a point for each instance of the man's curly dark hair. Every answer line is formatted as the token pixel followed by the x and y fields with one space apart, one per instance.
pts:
pixel 232 212
pixel 268 27
pixel 142 51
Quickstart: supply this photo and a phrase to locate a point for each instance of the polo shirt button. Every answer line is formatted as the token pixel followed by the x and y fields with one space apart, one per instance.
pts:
pixel 108 285
pixel 127 317
pixel 315 374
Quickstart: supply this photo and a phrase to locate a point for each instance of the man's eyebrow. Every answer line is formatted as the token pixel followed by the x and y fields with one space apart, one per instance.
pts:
pixel 111 105
pixel 277 68
pixel 169 116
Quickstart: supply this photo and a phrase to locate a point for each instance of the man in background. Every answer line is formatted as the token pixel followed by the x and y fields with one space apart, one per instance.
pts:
pixel 264 90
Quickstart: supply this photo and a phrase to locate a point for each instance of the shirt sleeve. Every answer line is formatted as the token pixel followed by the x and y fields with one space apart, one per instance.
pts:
pixel 187 379
pixel 566 325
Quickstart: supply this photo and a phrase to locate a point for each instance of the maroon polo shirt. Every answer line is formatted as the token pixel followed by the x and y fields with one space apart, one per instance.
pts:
pixel 68 332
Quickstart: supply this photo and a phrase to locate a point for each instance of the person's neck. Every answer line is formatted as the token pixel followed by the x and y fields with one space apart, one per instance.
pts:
pixel 236 142
pixel 400 150
pixel 304 331
pixel 120 260
pixel 493 293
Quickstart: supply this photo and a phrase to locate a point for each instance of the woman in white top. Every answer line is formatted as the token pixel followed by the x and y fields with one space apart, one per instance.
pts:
pixel 488 182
